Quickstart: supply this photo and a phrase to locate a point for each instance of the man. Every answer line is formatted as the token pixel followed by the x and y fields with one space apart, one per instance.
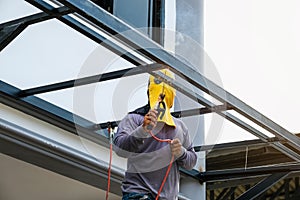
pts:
pixel 154 141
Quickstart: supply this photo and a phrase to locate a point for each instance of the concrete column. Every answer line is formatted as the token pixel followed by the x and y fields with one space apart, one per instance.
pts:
pixel 189 43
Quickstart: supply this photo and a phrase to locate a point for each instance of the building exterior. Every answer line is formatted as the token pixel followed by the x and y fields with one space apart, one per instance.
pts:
pixel 57 107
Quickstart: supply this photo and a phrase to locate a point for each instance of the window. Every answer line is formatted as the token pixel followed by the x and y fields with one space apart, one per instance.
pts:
pixel 158 21
pixel 105 4
pixel 145 14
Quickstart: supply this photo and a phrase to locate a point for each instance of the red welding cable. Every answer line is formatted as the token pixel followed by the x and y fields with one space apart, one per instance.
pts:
pixel 169 167
pixel 165 178
pixel 110 160
pixel 158 139
pixel 109 171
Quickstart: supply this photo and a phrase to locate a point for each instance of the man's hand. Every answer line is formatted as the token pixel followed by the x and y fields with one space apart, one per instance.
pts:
pixel 176 148
pixel 150 120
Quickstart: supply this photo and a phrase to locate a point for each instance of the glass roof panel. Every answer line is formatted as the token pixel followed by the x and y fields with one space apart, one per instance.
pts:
pixel 37 58
pixel 20 9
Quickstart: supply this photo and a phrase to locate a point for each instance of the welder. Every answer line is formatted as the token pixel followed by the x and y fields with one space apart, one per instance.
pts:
pixel 156 145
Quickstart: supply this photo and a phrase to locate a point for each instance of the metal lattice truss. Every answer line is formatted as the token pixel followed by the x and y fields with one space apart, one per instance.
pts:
pixel 69 12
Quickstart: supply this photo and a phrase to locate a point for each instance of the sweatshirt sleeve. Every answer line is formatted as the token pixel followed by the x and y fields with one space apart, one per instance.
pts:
pixel 130 135
pixel 188 158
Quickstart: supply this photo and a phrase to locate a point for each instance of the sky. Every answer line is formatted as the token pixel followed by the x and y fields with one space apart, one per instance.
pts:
pixel 254 45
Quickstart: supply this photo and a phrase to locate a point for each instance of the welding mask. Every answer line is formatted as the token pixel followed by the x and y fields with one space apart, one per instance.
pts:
pixel 161 97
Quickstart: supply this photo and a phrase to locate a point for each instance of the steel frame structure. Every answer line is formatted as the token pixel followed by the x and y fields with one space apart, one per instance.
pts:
pixel 287 187
pixel 68 12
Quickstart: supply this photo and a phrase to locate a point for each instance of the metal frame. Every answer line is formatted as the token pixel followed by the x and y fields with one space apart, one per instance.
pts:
pixel 136 40
pixel 10 30
pixel 129 38
pixel 113 25
pixel 261 171
pixel 262 186
pixel 287 188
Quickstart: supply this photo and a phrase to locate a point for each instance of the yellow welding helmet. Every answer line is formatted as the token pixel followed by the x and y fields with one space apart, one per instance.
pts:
pixel 161 97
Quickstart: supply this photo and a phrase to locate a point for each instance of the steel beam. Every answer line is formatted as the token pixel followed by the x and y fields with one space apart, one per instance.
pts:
pixel 234 183
pixel 296 183
pixel 146 46
pixel 219 175
pixel 177 114
pixel 287 188
pixel 295 195
pixel 261 187
pixel 10 30
pixel 9 33
pixel 278 191
pixel 200 111
pixel 90 80
pixel 231 145
pixel 212 195
pixel 222 193
pixel 229 193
